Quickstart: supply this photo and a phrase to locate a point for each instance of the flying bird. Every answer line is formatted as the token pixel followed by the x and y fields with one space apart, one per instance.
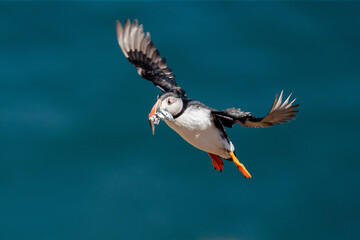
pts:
pixel 198 124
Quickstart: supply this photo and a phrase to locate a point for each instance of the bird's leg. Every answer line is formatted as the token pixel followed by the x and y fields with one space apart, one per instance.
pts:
pixel 217 162
pixel 239 165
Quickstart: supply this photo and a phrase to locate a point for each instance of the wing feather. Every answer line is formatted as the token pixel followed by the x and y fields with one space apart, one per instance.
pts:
pixel 141 52
pixel 280 112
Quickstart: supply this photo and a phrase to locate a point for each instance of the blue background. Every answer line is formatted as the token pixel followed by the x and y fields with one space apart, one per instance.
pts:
pixel 77 157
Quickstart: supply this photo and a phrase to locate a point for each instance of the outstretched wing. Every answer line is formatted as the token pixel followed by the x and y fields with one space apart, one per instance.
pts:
pixel 141 52
pixel 280 112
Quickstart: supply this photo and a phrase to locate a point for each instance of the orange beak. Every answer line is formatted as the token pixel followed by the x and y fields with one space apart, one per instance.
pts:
pixel 155 109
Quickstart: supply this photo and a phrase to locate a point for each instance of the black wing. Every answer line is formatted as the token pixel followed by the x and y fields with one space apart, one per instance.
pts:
pixel 141 52
pixel 280 112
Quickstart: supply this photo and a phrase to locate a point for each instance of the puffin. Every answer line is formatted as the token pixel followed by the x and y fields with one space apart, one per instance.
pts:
pixel 198 124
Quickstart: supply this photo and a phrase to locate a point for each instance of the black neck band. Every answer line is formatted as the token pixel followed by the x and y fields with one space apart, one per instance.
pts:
pixel 182 110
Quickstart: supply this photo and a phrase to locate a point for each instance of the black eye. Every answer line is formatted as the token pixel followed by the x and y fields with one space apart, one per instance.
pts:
pixel 169 102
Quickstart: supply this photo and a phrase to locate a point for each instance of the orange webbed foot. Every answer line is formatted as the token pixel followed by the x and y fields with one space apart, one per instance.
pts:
pixel 217 162
pixel 240 166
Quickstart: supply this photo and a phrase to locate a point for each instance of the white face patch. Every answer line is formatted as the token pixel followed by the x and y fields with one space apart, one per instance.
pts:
pixel 172 104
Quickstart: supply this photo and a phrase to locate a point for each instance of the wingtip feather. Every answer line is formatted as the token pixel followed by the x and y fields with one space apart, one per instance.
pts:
pixel 140 51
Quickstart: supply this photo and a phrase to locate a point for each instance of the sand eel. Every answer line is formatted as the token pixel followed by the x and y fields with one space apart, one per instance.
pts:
pixel 198 124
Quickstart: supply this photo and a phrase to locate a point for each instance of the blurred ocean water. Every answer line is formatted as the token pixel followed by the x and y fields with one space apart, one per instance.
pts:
pixel 77 157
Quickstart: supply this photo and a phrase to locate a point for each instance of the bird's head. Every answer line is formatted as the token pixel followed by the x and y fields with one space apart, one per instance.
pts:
pixel 170 102
pixel 168 106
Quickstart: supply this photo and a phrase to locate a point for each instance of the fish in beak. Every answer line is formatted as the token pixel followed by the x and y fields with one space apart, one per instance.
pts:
pixel 153 118
pixel 158 113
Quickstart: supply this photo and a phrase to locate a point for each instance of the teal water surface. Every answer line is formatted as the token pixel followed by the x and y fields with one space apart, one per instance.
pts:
pixel 78 160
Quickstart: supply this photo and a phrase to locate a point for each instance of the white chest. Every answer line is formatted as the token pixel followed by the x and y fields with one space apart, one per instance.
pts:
pixel 196 126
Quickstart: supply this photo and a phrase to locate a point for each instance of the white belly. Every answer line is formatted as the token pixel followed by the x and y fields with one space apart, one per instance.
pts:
pixel 197 128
